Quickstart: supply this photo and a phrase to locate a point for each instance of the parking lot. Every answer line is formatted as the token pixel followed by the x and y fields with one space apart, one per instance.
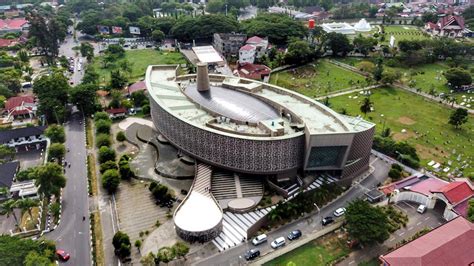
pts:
pixel 30 158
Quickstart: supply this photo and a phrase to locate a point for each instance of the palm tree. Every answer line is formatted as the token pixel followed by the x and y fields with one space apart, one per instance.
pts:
pixel 27 204
pixel 366 106
pixel 3 191
pixel 8 208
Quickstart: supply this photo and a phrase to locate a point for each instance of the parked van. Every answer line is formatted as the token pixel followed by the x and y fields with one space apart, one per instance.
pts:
pixel 421 209
pixel 259 239
pixel 279 242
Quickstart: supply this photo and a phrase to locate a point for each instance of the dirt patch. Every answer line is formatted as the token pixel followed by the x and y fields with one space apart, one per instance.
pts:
pixel 399 136
pixel 405 120
pixel 426 153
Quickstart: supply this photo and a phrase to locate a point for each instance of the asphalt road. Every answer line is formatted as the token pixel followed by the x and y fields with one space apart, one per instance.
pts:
pixel 66 50
pixel 72 234
pixel 308 225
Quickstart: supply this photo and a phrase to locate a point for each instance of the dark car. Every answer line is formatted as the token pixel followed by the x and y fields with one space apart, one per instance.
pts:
pixel 294 235
pixel 327 220
pixel 251 254
pixel 62 255
pixel 149 45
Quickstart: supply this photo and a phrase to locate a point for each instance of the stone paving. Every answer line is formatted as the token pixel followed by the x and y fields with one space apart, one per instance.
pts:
pixel 137 211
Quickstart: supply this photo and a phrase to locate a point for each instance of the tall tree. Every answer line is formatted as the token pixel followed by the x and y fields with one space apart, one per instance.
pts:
pixel 457 77
pixel 458 117
pixel 366 106
pixel 365 223
pixel 49 179
pixel 55 133
pixel 85 97
pixel 339 44
pixel 26 204
pixel 299 52
pixel 52 93
pixel 46 33
pixel 8 208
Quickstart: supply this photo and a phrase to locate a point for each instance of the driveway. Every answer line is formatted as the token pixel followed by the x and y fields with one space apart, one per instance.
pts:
pixel 308 225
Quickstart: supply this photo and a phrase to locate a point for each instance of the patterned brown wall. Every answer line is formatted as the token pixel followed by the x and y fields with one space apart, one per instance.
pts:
pixel 361 148
pixel 242 155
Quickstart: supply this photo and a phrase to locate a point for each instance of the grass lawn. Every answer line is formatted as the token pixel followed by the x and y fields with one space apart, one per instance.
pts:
pixel 404 32
pixel 426 76
pixel 425 122
pixel 317 79
pixel 139 60
pixel 30 222
pixel 323 251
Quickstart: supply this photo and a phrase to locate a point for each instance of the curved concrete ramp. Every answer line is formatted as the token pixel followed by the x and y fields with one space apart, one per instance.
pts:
pixel 199 216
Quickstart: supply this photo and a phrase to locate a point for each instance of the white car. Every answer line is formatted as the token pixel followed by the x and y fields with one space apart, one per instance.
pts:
pixel 339 212
pixel 259 239
pixel 279 242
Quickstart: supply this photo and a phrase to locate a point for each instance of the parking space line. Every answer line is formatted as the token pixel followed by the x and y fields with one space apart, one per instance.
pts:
pixel 427 218
pixel 418 223
pixel 391 239
pixel 402 233
pixel 351 262
pixel 410 228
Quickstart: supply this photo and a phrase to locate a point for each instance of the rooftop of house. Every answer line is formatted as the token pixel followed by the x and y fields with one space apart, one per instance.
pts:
pixel 115 111
pixel 449 20
pixel 137 86
pixel 448 244
pixel 7 173
pixel 7 135
pixel 15 23
pixel 255 40
pixel 456 191
pixel 247 47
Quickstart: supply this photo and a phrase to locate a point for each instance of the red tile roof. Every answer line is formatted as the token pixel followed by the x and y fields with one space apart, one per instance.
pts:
pixel 433 26
pixel 449 244
pixel 247 47
pixel 254 39
pixel 448 20
pixel 254 71
pixel 7 42
pixel 15 23
pixel 137 86
pixel 456 191
pixel 20 105
pixel 115 111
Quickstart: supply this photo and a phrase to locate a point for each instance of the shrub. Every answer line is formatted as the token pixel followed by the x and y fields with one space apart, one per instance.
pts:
pixel 101 116
pixel 122 245
pixel 395 174
pixel 146 109
pixel 107 166
pixel 103 126
pixel 55 133
pixel 102 140
pixel 125 170
pixel 106 154
pixel 152 186
pixel 111 180
pixel 120 136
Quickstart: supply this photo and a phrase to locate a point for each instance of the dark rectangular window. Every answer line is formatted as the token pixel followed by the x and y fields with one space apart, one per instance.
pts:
pixel 326 156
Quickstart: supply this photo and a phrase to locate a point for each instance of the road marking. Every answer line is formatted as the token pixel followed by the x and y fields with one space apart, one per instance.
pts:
pixel 427 218
pixel 402 233
pixel 418 223
pixel 351 262
pixel 410 228
pixel 391 239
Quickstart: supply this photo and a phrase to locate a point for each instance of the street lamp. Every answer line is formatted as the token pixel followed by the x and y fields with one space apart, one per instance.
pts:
pixel 383 125
pixel 319 210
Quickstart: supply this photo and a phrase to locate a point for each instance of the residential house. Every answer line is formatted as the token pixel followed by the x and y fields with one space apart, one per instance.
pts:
pixel 261 45
pixel 117 112
pixel 24 139
pixel 228 44
pixel 448 26
pixel 253 71
pixel 137 86
pixel 21 107
pixel 449 244
pixel 13 25
pixel 8 42
pixel 247 54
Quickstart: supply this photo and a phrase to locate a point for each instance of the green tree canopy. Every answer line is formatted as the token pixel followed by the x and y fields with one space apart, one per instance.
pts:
pixel 189 28
pixel 111 180
pixel 180 249
pixel 85 97
pixel 279 28
pixel 165 254
pixel 102 140
pixel 49 179
pixel 299 52
pixel 457 77
pixel 55 133
pixel 14 250
pixel 122 245
pixel 365 223
pixel 52 93
pixel 56 151
pixel 339 44
pixel 103 126
pixel 107 166
pixel 458 117
pixel 106 154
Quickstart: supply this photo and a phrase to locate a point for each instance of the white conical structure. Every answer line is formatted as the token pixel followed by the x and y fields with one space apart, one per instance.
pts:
pixel 362 25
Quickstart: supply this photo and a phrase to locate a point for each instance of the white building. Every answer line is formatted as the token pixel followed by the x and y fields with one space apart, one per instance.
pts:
pixel 261 45
pixel 362 26
pixel 247 54
pixel 24 138
pixel 338 27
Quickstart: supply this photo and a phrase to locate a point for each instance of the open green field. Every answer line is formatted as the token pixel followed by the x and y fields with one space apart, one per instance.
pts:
pixel 425 77
pixel 317 79
pixel 404 32
pixel 425 122
pixel 319 252
pixel 139 60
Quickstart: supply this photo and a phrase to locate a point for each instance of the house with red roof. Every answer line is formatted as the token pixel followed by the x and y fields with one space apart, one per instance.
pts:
pixel 253 71
pixel 447 26
pixel 8 42
pixel 137 86
pixel 117 112
pixel 247 54
pixel 261 45
pixel 449 197
pixel 449 244
pixel 13 25
pixel 20 107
